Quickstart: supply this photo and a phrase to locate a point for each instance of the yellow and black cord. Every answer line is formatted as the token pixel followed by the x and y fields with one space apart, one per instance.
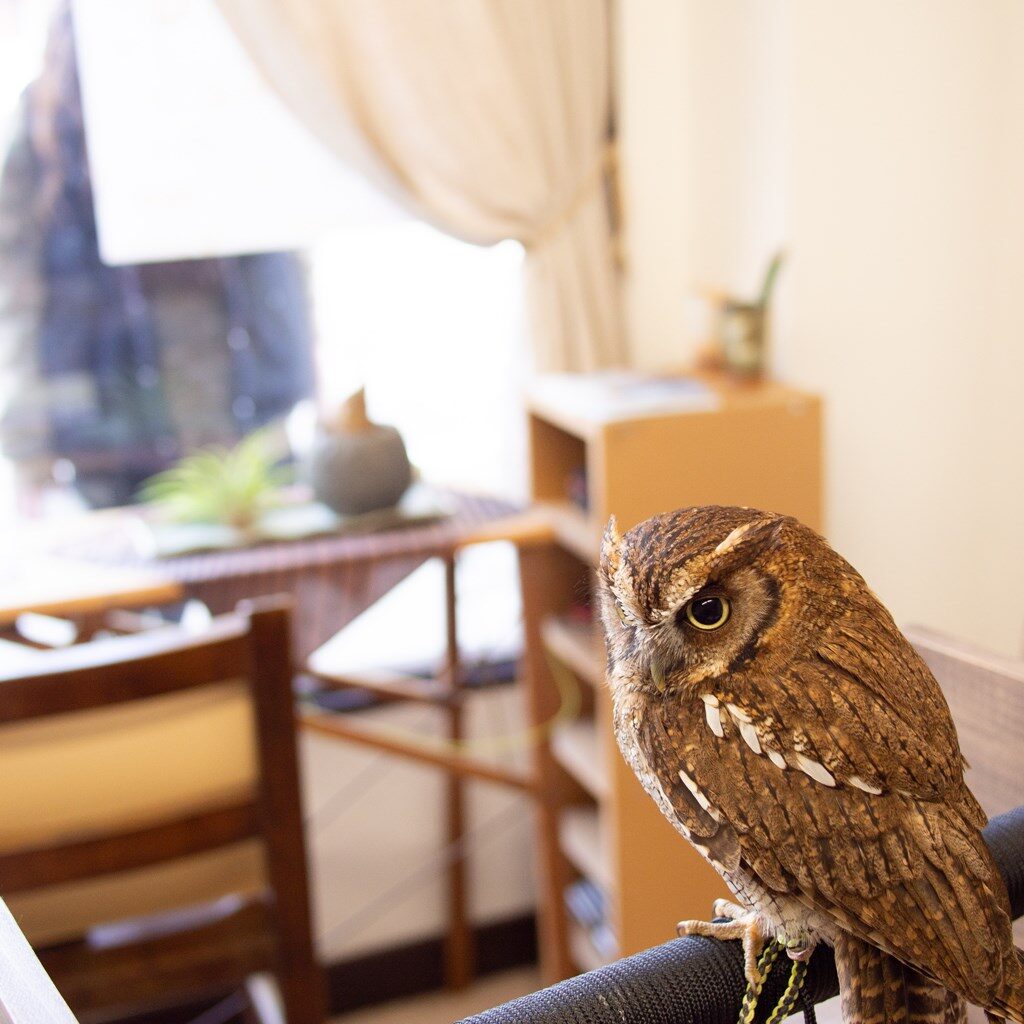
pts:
pixel 791 994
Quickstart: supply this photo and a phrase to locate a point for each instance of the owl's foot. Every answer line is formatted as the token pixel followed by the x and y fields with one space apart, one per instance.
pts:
pixel 740 925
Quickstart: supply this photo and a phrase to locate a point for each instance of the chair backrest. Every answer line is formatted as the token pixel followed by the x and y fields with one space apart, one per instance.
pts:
pixel 151 773
pixel 985 693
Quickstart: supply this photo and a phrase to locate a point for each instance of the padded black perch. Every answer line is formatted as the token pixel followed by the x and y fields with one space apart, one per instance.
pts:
pixel 700 981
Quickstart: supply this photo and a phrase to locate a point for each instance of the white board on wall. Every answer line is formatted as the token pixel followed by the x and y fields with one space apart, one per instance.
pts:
pixel 191 153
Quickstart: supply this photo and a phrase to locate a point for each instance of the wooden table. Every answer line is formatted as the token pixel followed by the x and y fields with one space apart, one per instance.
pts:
pixel 331 579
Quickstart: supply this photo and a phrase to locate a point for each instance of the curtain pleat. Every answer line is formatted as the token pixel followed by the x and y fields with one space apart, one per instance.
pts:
pixel 487 118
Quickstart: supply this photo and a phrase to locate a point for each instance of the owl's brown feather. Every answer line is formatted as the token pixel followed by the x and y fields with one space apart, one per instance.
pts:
pixel 878 989
pixel 865 860
pixel 805 748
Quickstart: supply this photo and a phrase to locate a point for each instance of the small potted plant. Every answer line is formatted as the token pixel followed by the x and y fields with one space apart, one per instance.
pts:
pixel 233 487
pixel 743 328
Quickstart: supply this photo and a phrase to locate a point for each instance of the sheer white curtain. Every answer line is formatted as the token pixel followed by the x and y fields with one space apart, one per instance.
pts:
pixel 488 118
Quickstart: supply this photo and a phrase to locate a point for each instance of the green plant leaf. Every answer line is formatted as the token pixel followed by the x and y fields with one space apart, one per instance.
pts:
pixel 220 485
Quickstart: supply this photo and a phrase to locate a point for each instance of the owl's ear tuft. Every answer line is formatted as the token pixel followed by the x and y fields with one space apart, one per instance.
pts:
pixel 734 539
pixel 611 550
pixel 750 539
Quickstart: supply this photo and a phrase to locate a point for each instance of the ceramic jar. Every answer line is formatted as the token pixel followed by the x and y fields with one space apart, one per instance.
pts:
pixel 356 465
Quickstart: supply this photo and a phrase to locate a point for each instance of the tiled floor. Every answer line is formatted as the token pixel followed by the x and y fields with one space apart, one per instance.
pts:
pixel 446 1007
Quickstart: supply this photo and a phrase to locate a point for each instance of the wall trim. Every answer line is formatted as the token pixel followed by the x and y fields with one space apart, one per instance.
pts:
pixel 418 967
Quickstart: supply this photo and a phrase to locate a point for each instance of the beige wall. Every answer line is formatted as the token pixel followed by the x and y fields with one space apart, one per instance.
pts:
pixel 883 144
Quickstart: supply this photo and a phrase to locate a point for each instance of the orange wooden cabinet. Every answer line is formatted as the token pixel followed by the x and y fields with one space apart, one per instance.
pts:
pixel 595 452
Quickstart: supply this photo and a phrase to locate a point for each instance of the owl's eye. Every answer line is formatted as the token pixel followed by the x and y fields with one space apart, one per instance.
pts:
pixel 707 612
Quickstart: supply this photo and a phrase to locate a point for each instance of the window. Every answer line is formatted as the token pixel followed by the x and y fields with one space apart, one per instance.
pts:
pixel 200 159
pixel 432 326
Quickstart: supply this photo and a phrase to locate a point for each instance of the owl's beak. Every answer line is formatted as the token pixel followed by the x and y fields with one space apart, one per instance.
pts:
pixel 658 674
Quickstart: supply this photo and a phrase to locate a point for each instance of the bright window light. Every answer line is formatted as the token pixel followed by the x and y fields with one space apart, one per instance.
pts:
pixel 432 327
pixel 191 152
pixel 199 157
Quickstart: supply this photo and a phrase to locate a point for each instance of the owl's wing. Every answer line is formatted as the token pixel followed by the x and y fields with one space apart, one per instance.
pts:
pixel 850 797
pixel 868 704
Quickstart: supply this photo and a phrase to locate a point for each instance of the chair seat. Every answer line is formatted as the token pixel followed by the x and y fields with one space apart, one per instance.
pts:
pixel 218 952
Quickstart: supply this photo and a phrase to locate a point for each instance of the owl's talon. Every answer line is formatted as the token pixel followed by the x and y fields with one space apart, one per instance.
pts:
pixel 742 925
pixel 799 948
pixel 728 909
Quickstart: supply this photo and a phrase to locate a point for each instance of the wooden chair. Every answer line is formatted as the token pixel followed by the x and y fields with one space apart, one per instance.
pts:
pixel 151 842
pixel 985 693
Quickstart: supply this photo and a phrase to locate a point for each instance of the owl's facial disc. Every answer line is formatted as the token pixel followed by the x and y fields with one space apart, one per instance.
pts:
pixel 713 631
pixel 686 597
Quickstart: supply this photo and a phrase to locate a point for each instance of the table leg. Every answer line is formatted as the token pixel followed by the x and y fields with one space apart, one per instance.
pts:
pixel 459 953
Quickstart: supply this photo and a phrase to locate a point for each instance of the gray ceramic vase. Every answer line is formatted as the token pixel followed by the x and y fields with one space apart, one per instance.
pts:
pixel 358 466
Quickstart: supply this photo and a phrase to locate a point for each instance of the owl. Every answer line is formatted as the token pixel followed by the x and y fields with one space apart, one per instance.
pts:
pixel 768 703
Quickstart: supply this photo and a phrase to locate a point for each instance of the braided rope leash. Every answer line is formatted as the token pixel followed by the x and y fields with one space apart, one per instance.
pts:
pixel 769 955
pixel 791 995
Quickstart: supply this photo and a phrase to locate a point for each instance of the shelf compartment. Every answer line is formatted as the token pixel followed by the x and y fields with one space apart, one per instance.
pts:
pixel 576 746
pixel 577 645
pixel 585 955
pixel 579 837
pixel 574 529
pixel 592 943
